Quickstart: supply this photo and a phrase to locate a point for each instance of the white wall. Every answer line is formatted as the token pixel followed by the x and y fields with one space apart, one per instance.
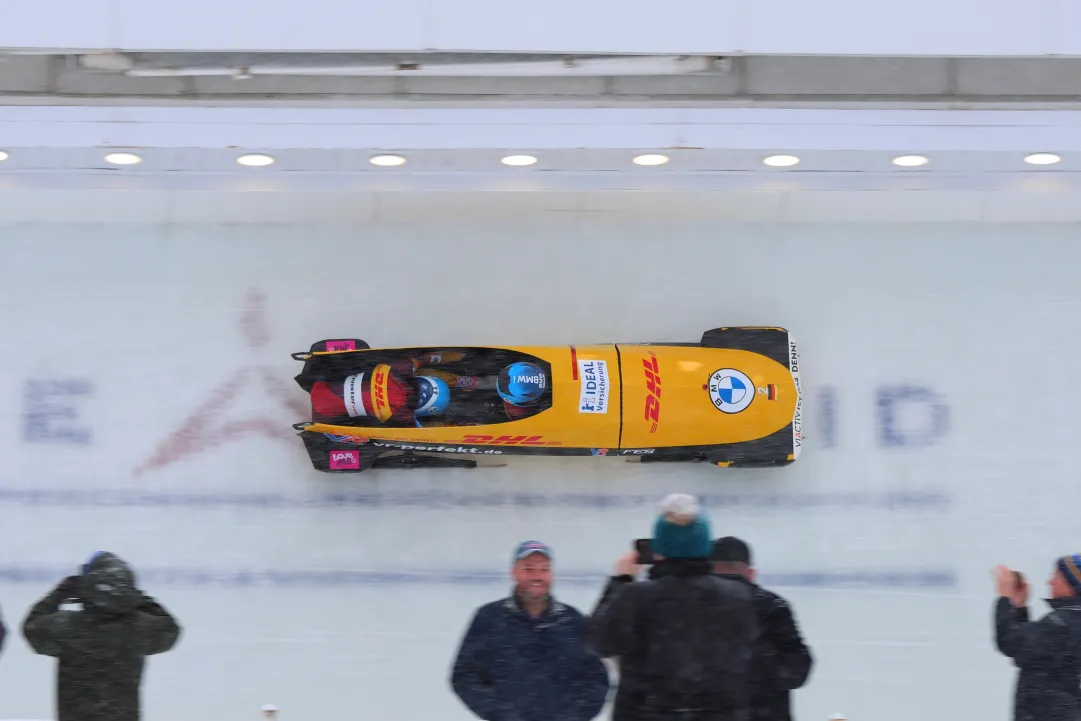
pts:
pixel 376 574
pixel 832 27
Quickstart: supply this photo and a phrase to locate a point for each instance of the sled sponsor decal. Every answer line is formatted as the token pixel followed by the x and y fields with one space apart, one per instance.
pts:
pixel 797 421
pixel 336 345
pixel 797 416
pixel 443 448
pixel 508 440
pixel 653 391
pixel 637 452
pixel 599 451
pixel 770 392
pixel 353 395
pixel 344 461
pixel 355 440
pixel 730 390
pixel 593 396
pixel 381 392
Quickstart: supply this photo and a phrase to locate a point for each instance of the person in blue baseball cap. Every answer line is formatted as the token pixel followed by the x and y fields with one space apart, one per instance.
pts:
pixel 532 572
pixel 523 657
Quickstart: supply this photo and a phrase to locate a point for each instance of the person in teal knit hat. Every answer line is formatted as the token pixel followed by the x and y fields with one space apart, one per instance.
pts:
pixel 684 637
pixel 682 529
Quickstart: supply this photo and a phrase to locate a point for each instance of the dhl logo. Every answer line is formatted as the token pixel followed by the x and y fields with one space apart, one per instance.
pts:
pixel 653 391
pixel 508 440
pixel 379 392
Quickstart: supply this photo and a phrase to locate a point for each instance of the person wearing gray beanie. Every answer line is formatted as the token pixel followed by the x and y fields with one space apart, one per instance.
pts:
pixel 683 637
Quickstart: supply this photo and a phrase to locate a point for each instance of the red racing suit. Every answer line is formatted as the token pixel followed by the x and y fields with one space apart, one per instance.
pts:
pixel 387 392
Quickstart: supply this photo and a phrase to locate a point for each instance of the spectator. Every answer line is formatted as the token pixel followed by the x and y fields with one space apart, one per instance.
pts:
pixel 523 657
pixel 3 631
pixel 100 649
pixel 782 661
pixel 684 637
pixel 1047 652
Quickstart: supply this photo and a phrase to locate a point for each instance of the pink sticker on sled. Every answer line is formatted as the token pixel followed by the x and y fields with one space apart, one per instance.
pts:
pixel 344 461
pixel 333 345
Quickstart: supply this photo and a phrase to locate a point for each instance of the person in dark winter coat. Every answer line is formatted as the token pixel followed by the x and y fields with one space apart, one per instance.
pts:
pixel 1047 652
pixel 100 650
pixel 523 658
pixel 782 662
pixel 685 637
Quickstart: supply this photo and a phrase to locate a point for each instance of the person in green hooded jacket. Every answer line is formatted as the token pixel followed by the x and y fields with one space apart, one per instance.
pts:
pixel 100 649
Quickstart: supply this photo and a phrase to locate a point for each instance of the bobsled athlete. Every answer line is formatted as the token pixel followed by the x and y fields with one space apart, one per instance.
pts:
pixel 409 393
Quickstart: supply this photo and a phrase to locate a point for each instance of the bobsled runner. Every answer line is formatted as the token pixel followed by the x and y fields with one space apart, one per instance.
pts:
pixel 732 399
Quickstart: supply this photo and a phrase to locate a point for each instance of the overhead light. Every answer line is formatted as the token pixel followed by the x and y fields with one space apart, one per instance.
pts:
pixel 1042 159
pixel 3 156
pixel 387 161
pixel 910 161
pixel 255 160
pixel 781 161
pixel 651 159
pixel 123 158
pixel 519 160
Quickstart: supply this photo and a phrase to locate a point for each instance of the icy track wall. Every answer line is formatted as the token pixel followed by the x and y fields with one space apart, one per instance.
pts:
pixel 147 399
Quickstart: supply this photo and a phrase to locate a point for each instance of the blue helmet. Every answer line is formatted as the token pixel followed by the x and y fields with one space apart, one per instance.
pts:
pixel 521 383
pixel 433 396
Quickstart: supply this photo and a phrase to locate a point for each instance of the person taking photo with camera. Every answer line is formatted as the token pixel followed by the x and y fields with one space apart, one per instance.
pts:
pixel 684 638
pixel 1046 652
pixel 100 650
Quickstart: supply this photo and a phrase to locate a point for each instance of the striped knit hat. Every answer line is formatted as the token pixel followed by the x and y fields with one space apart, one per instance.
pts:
pixel 1070 568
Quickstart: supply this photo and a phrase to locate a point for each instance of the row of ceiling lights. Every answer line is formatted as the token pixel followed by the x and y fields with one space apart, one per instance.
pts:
pixel 777 161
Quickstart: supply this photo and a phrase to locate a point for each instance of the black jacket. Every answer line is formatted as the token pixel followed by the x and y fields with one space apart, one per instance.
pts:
pixel 684 638
pixel 100 649
pixel 512 666
pixel 1048 654
pixel 782 662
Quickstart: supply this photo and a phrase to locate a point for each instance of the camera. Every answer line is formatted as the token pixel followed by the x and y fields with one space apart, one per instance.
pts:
pixel 644 548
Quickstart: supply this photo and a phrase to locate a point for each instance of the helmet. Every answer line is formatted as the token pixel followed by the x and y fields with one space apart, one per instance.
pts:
pixel 521 383
pixel 433 396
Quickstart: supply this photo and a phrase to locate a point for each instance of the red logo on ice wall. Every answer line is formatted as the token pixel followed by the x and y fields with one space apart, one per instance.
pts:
pixel 344 461
pixel 210 425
